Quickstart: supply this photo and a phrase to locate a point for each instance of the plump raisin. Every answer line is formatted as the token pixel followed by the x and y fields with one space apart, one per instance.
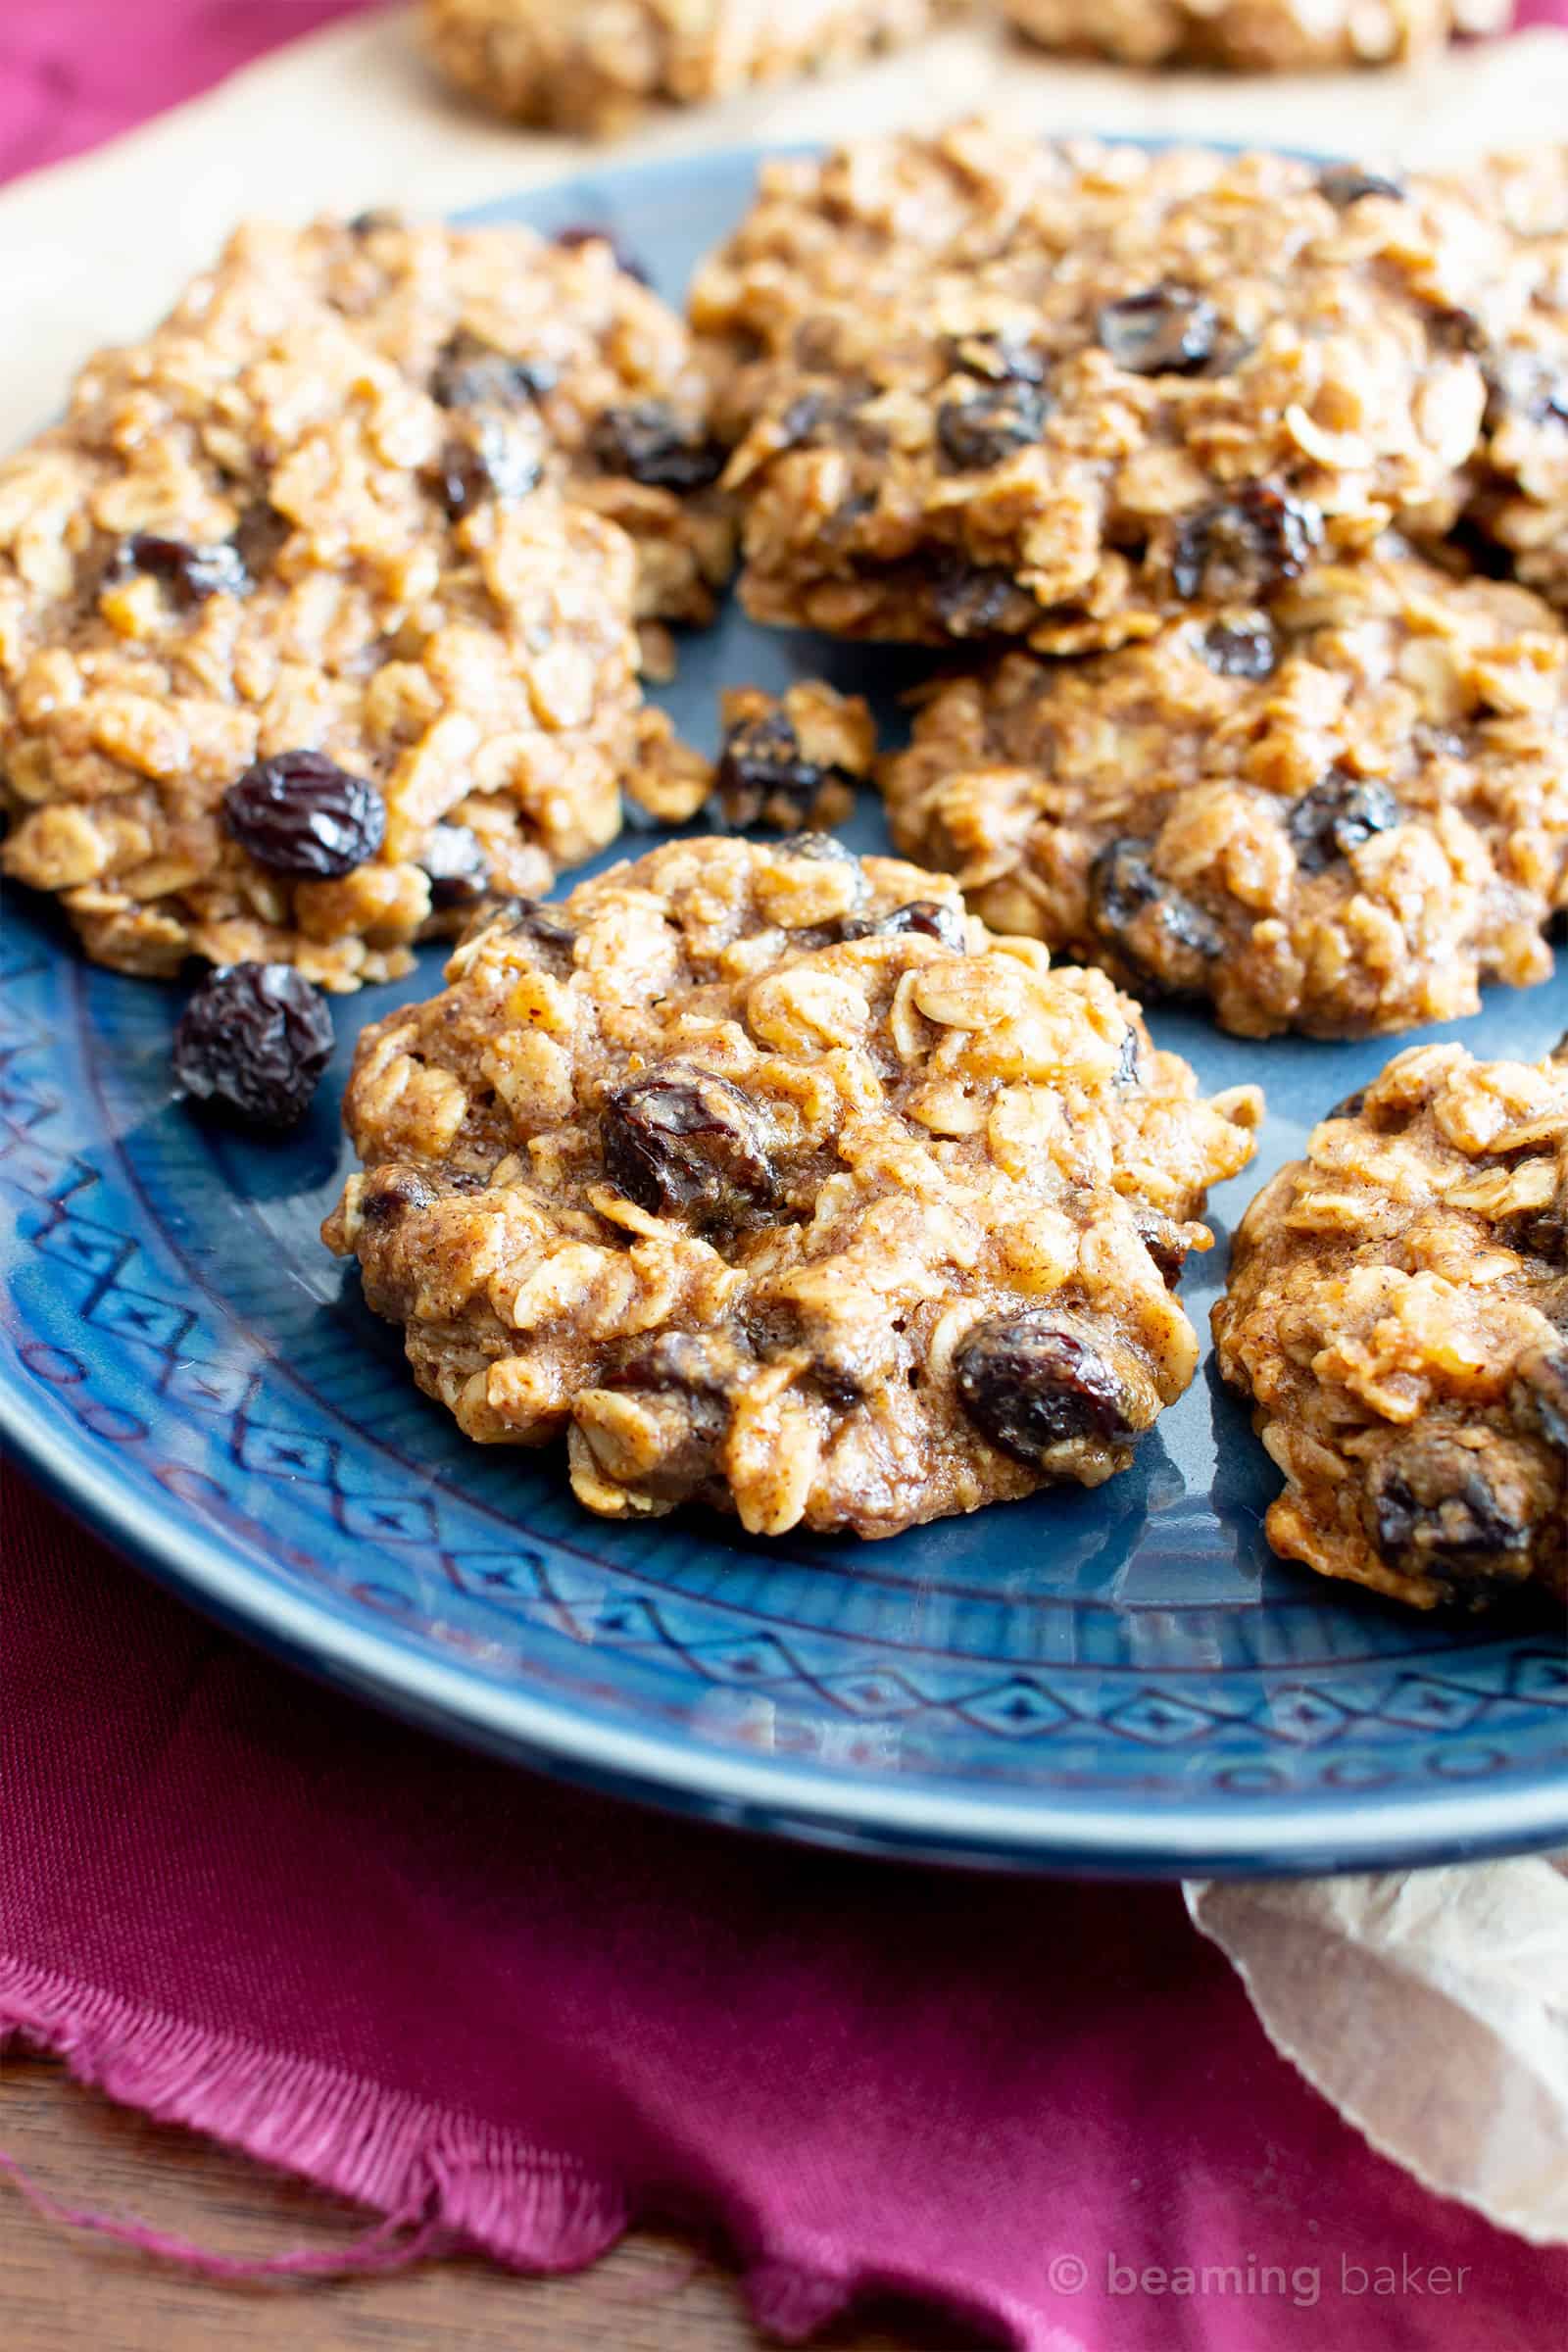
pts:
pixel 1346 183
pixel 1165 330
pixel 252 1044
pixel 706 1364
pixel 456 866
pixel 470 374
pixel 1451 1512
pixel 679 1139
pixel 1240 649
pixel 1159 931
pixel 927 918
pixel 1539 1396
pixel 1001 358
pixel 649 443
pixel 491 464
pixel 1034 1381
pixel 1337 816
pixel 764 778
pixel 584 232
pixel 990 426
pixel 1242 548
pixel 979 600
pixel 191 574
pixel 299 813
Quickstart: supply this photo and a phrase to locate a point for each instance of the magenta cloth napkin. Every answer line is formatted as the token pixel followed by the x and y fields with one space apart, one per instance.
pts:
pixel 461 1994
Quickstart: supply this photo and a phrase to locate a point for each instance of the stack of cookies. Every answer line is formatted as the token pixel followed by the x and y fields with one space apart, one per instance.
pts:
pixel 1231 495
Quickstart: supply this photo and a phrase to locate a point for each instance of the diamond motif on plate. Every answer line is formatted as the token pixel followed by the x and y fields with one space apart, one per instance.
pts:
pixel 1304 1716
pixel 1430 1705
pixel 1542 1676
pixel 872 1690
pixel 1158 1720
pixel 1013 1708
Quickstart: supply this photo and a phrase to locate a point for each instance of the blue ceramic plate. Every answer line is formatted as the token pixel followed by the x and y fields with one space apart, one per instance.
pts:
pixel 1117 1680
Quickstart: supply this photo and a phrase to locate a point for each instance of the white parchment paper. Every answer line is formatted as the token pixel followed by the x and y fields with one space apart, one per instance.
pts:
pixel 1431 2007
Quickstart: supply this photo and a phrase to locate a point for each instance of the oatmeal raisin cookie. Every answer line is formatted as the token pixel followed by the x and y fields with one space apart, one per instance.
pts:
pixel 594 65
pixel 1397 1311
pixel 770 1180
pixel 1339 814
pixel 983 386
pixel 558 337
pixel 1256 36
pixel 293 660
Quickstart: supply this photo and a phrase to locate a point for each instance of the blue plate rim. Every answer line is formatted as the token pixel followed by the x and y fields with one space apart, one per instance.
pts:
pixel 780 1797
pixel 774 1794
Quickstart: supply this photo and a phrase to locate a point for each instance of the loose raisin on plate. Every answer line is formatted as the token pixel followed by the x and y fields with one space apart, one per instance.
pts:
pixel 1165 330
pixel 1346 183
pixel 470 374
pixel 990 426
pixel 252 1044
pixel 299 813
pixel 1155 925
pixel 1240 649
pixel 764 778
pixel 927 918
pixel 1337 816
pixel 583 232
pixel 649 443
pixel 1033 1381
pixel 191 574
pixel 457 868
pixel 1242 548
pixel 1456 1514
pixel 677 1138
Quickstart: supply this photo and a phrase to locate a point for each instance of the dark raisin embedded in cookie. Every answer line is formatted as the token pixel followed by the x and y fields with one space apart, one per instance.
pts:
pixel 525 918
pixel 457 868
pixel 649 443
pixel 1239 549
pixel 1240 649
pixel 683 1140
pixel 1160 931
pixel 470 374
pixel 1164 330
pixel 191 574
pixel 1457 1514
pixel 494 462
pixel 1000 358
pixel 990 426
pixel 927 918
pixel 763 777
pixel 1034 1381
pixel 1337 816
pixel 978 600
pixel 583 232
pixel 1346 183
pixel 299 813
pixel 252 1044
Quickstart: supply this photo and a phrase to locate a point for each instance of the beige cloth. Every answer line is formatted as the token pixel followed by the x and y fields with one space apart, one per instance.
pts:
pixel 1431 2007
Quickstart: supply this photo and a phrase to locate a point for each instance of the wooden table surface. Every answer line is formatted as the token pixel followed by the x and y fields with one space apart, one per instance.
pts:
pixel 61 2287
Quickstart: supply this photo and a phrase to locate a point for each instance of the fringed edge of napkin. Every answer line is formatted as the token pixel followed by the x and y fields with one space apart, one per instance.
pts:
pixel 437 2175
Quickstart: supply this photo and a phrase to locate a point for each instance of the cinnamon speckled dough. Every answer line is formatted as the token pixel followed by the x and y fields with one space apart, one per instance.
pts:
pixel 553 339
pixel 1256 36
pixel 1338 816
pixel 595 64
pixel 1397 1311
pixel 987 387
pixel 771 1182
pixel 328 560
